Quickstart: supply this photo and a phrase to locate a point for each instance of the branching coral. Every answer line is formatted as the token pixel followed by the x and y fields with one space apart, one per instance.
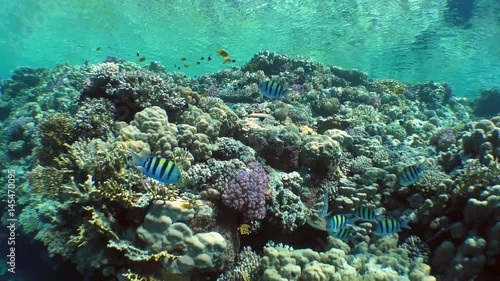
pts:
pixel 55 131
pixel 131 90
pixel 474 177
pixel 246 192
pixel 247 267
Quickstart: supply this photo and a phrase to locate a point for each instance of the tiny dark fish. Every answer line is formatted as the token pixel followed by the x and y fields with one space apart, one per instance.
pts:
pixel 175 65
pixel 197 62
pixel 178 67
pixel 141 59
pixel 234 60
pixel 209 58
pixel 202 58
pixel 138 54
pixel 98 49
pixel 183 59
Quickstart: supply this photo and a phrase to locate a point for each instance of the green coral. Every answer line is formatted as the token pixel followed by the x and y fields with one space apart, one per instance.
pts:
pixel 326 106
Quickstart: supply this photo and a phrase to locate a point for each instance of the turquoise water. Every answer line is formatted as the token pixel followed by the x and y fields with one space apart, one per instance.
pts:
pixel 244 140
pixel 413 41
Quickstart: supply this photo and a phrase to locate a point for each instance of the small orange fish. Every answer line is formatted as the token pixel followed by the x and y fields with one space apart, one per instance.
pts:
pixel 187 206
pixel 141 59
pixel 399 90
pixel 252 65
pixel 183 59
pixel 186 65
pixel 222 53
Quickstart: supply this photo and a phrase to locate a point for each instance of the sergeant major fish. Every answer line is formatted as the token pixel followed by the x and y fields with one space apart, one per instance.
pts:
pixel 274 90
pixel 336 222
pixel 367 214
pixel 411 174
pixel 161 169
pixel 343 234
pixel 390 226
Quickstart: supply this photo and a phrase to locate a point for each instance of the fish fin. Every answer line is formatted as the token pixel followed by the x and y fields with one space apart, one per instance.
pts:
pixel 136 159
pixel 327 214
pixel 404 223
pixel 352 220
pixel 422 166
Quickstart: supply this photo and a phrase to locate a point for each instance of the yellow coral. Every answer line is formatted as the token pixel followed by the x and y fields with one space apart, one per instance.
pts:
pixel 245 229
pixel 308 130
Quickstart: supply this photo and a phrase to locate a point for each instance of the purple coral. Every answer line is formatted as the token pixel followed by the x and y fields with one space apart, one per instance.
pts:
pixel 299 88
pixel 246 192
pixel 443 138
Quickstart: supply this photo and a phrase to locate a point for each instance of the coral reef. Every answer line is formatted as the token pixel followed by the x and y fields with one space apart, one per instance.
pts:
pixel 253 170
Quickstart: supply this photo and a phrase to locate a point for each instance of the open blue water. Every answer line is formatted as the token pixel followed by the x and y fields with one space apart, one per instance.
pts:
pixel 454 41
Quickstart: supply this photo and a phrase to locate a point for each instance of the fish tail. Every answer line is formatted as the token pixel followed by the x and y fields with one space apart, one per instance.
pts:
pixel 136 159
pixel 404 223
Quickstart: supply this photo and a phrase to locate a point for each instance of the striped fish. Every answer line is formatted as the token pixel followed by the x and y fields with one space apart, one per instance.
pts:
pixel 161 169
pixel 273 90
pixel 367 214
pixel 390 226
pixel 343 234
pixel 411 174
pixel 336 222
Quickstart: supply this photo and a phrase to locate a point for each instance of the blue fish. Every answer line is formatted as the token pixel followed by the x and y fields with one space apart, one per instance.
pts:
pixel 161 169
pixel 274 90
pixel 343 234
pixel 336 222
pixel 367 214
pixel 390 226
pixel 324 210
pixel 411 174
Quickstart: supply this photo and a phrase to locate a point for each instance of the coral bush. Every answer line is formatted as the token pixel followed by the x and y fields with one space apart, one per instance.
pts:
pixel 245 192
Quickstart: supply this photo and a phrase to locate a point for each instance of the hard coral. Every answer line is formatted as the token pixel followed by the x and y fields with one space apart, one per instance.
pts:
pixel 246 192
pixel 131 89
pixel 443 138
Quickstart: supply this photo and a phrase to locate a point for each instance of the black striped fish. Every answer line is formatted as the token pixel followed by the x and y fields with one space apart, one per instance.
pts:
pixel 367 214
pixel 390 226
pixel 274 90
pixel 411 174
pixel 161 169
pixel 343 234
pixel 336 222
